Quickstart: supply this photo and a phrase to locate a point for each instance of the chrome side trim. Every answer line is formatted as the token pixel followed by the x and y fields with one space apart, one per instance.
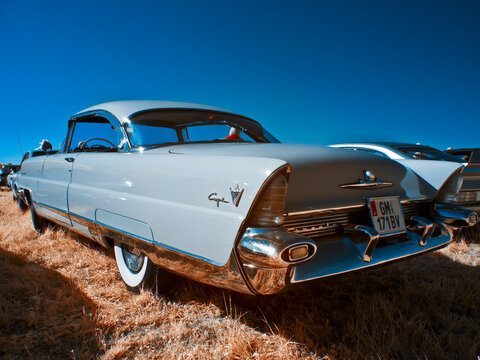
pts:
pixel 367 185
pixel 321 211
pixel 227 276
pixel 92 225
pixel 52 208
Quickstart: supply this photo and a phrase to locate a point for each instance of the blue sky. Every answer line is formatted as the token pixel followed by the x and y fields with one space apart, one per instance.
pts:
pixel 315 72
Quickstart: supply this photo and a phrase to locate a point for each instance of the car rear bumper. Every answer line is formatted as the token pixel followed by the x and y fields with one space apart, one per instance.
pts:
pixel 336 255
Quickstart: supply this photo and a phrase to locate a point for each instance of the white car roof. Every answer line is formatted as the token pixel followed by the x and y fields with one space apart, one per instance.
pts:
pixel 391 153
pixel 122 110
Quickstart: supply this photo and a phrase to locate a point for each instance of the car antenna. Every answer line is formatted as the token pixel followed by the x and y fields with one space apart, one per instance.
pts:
pixel 20 142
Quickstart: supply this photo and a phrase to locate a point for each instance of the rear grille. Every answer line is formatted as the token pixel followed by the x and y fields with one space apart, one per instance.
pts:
pixel 468 196
pixel 318 225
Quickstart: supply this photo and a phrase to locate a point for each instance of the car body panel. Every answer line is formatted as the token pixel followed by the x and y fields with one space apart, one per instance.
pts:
pixel 434 172
pixel 324 169
pixel 142 196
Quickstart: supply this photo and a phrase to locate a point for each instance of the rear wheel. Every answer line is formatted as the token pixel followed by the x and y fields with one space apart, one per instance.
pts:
pixel 40 224
pixel 137 271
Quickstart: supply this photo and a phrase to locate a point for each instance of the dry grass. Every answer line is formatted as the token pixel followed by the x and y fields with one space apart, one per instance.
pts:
pixel 61 297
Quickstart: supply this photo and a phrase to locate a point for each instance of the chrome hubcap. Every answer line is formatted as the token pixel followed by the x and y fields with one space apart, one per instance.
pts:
pixel 133 258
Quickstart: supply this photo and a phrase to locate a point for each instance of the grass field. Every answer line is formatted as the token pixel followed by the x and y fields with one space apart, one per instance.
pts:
pixel 61 297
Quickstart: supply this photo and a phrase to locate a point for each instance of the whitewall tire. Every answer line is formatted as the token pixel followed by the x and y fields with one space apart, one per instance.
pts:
pixel 136 269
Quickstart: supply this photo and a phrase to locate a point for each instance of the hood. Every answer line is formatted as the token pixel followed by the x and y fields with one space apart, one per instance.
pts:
pixel 318 172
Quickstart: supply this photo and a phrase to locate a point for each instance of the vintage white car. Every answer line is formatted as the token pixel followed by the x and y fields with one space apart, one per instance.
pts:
pixel 211 195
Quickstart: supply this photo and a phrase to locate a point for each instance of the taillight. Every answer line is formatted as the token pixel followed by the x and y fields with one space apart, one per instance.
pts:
pixel 449 191
pixel 270 207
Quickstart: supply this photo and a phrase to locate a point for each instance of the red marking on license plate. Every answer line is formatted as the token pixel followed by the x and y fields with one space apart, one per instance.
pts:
pixel 374 208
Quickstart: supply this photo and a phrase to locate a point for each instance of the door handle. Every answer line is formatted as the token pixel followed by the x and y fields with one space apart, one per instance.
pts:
pixel 70 159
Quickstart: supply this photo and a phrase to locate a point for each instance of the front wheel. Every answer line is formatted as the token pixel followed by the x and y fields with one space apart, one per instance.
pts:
pixel 21 205
pixel 40 224
pixel 136 269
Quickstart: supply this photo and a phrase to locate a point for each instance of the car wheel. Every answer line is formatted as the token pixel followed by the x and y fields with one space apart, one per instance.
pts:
pixel 40 224
pixel 136 269
pixel 21 205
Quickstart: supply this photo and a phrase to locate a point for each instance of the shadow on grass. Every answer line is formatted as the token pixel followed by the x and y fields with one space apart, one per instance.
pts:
pixel 426 307
pixel 42 314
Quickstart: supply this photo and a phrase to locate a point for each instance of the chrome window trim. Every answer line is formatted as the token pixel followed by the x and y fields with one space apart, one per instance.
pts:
pixel 117 125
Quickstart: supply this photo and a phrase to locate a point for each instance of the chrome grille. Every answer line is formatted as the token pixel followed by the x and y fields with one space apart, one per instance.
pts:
pixel 316 225
pixel 468 196
pixel 330 223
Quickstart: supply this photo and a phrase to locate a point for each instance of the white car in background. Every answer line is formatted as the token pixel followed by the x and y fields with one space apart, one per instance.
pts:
pixel 433 165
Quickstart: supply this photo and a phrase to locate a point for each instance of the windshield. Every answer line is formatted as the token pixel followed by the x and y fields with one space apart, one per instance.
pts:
pixel 427 153
pixel 164 127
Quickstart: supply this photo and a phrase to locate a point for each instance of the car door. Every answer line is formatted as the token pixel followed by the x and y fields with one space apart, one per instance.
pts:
pixel 51 194
pixel 96 142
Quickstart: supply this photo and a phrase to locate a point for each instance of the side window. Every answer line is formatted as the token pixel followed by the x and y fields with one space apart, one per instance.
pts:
pixel 214 132
pixel 147 135
pixel 463 157
pixel 94 134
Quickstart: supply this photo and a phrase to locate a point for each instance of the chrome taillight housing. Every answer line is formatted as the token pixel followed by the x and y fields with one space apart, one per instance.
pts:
pixel 449 191
pixel 269 209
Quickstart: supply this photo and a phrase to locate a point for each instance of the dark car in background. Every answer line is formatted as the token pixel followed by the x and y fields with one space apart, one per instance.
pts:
pixel 7 170
pixel 467 155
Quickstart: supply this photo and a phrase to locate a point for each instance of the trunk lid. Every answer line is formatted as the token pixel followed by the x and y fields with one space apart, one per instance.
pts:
pixel 318 172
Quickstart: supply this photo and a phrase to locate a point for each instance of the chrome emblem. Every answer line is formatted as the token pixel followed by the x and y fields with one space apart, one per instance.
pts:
pixel 370 181
pixel 218 200
pixel 236 194
pixel 369 175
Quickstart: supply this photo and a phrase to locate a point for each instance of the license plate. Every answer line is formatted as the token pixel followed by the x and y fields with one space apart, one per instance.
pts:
pixel 387 215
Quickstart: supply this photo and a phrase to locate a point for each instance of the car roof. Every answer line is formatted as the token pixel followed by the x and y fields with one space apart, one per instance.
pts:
pixel 122 110
pixel 385 143
pixel 463 149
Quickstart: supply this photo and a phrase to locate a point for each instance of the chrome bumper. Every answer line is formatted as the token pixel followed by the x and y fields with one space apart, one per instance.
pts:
pixel 22 197
pixel 455 216
pixel 360 248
